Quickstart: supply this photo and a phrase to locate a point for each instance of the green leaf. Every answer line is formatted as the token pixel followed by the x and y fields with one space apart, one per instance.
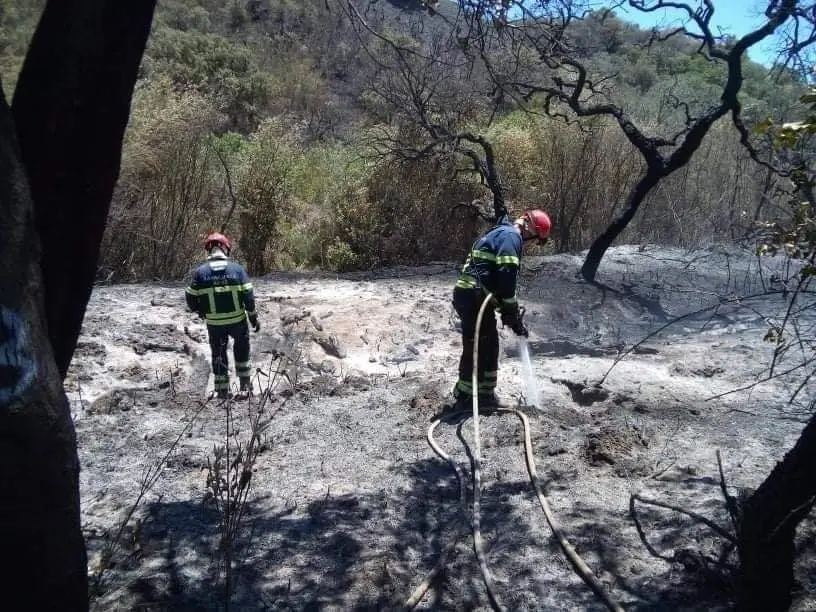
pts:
pixel 763 126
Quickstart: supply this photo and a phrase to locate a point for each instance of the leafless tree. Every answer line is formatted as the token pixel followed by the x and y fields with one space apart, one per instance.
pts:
pixel 424 92
pixel 525 52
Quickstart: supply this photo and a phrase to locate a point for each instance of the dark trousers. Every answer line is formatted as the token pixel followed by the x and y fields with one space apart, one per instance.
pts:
pixel 467 302
pixel 219 340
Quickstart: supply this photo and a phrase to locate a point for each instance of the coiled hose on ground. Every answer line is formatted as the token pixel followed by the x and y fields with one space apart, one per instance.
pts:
pixel 578 564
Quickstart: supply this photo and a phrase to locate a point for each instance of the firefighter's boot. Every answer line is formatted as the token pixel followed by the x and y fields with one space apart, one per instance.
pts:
pixel 491 400
pixel 245 391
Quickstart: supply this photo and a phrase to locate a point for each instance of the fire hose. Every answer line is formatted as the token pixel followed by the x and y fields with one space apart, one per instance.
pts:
pixel 578 564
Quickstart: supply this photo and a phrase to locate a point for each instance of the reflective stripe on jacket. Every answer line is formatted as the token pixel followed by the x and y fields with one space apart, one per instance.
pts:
pixel 493 263
pixel 221 291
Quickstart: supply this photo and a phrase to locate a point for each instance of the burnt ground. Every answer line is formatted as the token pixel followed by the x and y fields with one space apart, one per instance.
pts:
pixel 350 508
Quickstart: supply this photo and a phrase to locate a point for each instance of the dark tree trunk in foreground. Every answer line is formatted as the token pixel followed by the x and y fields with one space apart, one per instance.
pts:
pixel 768 527
pixel 44 564
pixel 71 107
pixel 610 234
pixel 60 148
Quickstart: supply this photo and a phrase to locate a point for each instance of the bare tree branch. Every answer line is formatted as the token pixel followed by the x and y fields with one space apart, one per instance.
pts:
pixel 230 190
pixel 528 59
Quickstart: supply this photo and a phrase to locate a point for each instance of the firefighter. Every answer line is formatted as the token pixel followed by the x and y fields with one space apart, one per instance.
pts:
pixel 492 267
pixel 221 293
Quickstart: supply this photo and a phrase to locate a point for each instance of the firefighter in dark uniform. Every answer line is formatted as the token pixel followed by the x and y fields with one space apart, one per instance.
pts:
pixel 221 293
pixel 492 267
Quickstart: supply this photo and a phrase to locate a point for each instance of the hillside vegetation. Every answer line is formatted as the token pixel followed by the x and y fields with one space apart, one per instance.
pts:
pixel 256 116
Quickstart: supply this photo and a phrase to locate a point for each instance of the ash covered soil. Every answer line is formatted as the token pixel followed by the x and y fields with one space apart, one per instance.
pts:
pixel 349 506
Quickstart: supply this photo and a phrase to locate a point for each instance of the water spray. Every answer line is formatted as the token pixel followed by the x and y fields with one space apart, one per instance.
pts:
pixel 530 387
pixel 531 395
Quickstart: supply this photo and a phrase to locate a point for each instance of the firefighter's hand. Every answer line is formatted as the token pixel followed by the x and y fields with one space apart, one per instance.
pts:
pixel 256 324
pixel 520 329
pixel 512 318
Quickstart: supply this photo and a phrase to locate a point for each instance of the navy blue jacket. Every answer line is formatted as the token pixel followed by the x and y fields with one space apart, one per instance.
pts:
pixel 493 263
pixel 221 291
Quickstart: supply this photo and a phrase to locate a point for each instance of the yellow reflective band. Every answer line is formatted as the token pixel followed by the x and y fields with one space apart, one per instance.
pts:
pixel 466 282
pixel 210 296
pixel 510 300
pixel 508 259
pixel 225 288
pixel 225 319
pixel 486 255
pixel 246 287
pixel 225 315
pixel 464 385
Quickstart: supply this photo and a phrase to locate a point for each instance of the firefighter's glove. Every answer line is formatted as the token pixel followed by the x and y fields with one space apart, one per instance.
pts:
pixel 256 324
pixel 519 328
pixel 511 317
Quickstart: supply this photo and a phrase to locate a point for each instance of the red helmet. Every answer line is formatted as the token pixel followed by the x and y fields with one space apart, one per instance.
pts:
pixel 217 239
pixel 538 222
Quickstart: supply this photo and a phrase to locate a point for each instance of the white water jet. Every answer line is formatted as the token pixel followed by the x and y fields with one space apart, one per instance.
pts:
pixel 530 387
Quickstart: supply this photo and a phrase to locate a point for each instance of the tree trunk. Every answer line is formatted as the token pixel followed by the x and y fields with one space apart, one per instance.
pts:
pixel 608 236
pixel 768 526
pixel 71 107
pixel 45 564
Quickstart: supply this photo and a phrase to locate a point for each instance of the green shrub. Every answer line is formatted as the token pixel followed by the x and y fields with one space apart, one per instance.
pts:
pixel 266 192
pixel 18 18
pixel 340 257
pixel 328 182
pixel 169 191
pixel 224 70
pixel 419 212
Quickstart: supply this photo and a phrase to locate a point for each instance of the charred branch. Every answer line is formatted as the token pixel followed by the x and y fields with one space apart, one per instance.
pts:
pixel 531 62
